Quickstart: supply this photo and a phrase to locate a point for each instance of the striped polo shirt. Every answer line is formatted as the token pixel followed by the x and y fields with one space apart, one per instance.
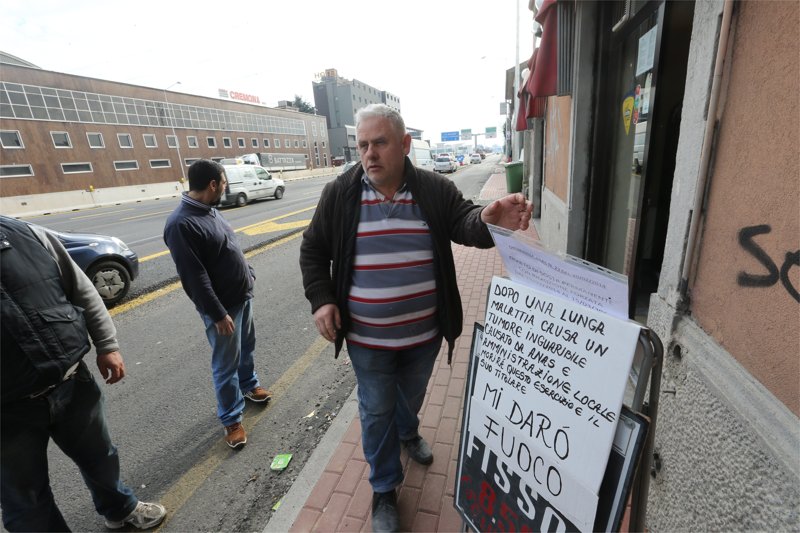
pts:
pixel 392 299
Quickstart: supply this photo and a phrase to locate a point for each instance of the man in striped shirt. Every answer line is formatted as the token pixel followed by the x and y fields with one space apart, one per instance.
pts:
pixel 378 270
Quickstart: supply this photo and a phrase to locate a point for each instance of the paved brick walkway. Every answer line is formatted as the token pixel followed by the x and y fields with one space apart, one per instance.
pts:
pixel 341 499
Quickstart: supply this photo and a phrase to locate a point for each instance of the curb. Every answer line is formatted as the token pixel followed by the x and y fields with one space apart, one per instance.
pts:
pixel 294 500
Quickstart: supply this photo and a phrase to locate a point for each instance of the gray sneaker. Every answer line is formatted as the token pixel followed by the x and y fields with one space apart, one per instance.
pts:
pixel 145 516
pixel 419 450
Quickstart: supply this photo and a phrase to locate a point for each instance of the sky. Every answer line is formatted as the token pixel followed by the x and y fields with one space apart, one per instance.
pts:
pixel 444 59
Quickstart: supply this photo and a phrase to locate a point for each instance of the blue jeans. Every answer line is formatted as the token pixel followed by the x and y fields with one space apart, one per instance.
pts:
pixel 72 415
pixel 232 362
pixel 391 388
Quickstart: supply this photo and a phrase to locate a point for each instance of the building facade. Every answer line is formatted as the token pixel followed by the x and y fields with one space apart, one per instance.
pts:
pixel 338 99
pixel 61 132
pixel 666 149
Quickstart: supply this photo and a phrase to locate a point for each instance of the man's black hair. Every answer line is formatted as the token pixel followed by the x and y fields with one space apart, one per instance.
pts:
pixel 202 172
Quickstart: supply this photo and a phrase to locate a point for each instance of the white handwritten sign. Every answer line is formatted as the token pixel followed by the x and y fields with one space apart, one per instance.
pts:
pixel 550 382
pixel 571 278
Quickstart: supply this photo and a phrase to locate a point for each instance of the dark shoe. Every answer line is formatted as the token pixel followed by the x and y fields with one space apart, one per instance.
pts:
pixel 258 394
pixel 384 512
pixel 419 450
pixel 235 437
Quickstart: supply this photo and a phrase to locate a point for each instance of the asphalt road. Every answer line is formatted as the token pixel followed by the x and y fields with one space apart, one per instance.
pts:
pixel 162 415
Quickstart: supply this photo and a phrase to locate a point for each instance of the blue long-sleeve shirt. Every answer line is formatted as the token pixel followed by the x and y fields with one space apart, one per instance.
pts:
pixel 213 270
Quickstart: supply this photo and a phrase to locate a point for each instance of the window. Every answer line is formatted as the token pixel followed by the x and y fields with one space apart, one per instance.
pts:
pixel 288 143
pixel 126 165
pixel 266 143
pixel 160 163
pixel 211 141
pixel 191 141
pixel 254 142
pixel 296 143
pixel 226 142
pixel 277 143
pixel 240 140
pixel 217 159
pixel 11 139
pixel 13 171
pixel 125 140
pixel 149 140
pixel 95 140
pixel 190 161
pixel 172 141
pixel 76 168
pixel 60 139
pixel 323 144
pixel 305 143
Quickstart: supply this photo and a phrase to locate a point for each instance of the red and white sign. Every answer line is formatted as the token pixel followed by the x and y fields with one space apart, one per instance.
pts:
pixel 243 97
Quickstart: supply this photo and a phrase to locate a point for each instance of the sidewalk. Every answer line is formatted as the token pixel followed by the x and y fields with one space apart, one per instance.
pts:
pixel 341 498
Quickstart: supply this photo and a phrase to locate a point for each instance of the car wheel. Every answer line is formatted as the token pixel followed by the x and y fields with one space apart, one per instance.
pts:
pixel 111 280
pixel 241 200
pixel 278 193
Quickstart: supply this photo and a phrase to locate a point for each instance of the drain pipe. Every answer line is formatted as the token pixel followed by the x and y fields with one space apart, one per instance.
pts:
pixel 705 157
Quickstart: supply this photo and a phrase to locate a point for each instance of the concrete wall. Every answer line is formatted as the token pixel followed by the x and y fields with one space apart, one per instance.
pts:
pixel 39 204
pixel 729 447
pixel 756 171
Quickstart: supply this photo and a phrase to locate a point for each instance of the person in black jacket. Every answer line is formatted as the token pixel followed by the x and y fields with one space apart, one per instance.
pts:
pixel 216 277
pixel 48 311
pixel 378 270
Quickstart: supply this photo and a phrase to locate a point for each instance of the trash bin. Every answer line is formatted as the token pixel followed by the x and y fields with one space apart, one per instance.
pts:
pixel 514 176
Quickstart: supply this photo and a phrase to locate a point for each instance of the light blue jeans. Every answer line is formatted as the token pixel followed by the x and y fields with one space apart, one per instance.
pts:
pixel 391 388
pixel 232 362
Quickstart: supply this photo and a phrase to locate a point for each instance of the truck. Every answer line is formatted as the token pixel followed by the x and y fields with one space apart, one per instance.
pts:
pixel 275 162
pixel 420 154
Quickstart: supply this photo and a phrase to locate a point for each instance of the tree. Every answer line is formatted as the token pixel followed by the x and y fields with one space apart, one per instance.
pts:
pixel 304 106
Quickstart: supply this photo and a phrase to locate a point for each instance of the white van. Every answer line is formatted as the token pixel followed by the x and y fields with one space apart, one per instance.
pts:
pixel 250 182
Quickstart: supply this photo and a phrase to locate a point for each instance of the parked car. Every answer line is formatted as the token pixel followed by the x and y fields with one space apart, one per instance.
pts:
pixel 347 166
pixel 250 182
pixel 475 158
pixel 444 163
pixel 108 262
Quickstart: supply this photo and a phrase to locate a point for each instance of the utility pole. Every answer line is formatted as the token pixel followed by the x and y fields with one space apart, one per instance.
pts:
pixel 514 136
pixel 172 124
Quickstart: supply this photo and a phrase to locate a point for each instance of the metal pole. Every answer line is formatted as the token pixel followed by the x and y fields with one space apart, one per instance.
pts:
pixel 514 136
pixel 172 124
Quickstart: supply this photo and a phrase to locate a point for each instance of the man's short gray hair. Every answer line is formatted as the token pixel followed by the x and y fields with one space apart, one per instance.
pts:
pixel 381 111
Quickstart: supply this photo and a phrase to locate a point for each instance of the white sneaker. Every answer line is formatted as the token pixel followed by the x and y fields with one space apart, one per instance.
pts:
pixel 145 516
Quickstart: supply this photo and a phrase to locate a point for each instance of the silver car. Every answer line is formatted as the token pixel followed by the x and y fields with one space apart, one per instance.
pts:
pixel 444 163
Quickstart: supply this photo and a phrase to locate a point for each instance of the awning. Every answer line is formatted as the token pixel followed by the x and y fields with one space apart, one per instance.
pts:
pixel 543 78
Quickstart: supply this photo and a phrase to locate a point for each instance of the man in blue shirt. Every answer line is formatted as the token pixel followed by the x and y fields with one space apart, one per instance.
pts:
pixel 216 277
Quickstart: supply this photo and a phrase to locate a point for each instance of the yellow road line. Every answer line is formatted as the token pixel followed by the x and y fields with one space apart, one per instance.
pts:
pixel 258 228
pixel 150 296
pixel 153 256
pixel 183 489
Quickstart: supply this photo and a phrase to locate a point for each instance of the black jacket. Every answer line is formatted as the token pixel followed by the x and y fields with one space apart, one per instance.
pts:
pixel 328 248
pixel 43 334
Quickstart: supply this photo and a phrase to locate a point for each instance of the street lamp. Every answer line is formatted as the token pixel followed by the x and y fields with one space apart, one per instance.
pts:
pixel 172 124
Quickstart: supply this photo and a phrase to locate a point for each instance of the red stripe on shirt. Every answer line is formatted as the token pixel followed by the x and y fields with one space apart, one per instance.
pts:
pixel 390 266
pixel 408 231
pixel 377 201
pixel 390 300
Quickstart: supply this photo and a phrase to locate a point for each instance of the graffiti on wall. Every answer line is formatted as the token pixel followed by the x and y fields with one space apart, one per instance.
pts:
pixel 773 273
